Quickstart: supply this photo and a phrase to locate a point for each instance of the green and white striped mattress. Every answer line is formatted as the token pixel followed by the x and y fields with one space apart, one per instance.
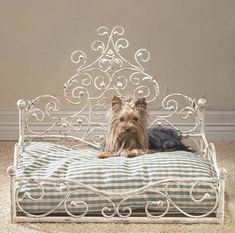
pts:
pixel 115 174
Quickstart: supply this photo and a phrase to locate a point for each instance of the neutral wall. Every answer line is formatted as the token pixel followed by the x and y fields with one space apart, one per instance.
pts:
pixel 192 44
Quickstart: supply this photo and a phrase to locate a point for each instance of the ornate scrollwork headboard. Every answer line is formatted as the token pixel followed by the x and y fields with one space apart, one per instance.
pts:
pixel 91 88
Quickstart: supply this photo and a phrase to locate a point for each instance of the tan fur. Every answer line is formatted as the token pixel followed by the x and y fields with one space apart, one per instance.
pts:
pixel 127 134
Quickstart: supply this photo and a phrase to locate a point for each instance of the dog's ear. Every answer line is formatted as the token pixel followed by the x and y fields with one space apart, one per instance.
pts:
pixel 141 103
pixel 116 103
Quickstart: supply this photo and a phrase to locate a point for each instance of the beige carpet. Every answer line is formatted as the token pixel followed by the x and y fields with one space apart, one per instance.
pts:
pixel 226 158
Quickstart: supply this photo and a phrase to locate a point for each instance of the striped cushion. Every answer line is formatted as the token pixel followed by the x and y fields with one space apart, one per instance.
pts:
pixel 115 174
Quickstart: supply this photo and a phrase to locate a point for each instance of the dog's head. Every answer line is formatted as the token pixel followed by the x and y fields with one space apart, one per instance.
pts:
pixel 128 123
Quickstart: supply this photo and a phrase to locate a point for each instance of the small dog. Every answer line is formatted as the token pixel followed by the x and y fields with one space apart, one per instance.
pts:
pixel 128 134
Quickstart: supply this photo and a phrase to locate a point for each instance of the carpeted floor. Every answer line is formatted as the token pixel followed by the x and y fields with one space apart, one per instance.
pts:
pixel 226 158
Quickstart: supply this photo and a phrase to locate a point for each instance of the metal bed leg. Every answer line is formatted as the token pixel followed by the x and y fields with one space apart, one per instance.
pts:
pixel 11 172
pixel 220 212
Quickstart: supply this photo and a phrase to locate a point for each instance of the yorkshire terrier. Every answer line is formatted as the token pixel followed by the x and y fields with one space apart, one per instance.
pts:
pixel 128 134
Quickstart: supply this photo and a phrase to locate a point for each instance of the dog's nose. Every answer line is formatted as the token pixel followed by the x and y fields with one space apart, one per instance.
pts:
pixel 128 130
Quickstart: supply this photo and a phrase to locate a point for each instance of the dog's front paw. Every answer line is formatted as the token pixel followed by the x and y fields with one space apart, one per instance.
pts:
pixel 133 153
pixel 104 154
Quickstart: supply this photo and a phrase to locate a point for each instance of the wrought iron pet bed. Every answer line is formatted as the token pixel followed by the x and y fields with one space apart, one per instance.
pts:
pixel 89 90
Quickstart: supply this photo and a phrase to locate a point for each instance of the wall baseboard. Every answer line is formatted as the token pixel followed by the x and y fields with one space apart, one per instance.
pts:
pixel 220 125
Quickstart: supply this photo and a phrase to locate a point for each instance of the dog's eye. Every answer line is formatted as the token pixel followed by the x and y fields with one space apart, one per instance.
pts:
pixel 135 118
pixel 122 119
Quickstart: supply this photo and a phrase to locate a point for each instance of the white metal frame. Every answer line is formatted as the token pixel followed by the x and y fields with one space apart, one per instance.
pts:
pixel 90 90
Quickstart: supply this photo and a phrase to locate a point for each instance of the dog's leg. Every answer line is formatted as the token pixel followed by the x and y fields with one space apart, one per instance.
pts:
pixel 104 154
pixel 134 152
